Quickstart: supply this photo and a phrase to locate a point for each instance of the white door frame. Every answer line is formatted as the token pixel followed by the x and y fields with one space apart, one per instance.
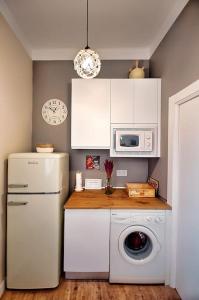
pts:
pixel 175 101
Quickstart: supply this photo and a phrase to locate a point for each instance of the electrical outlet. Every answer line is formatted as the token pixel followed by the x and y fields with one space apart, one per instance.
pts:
pixel 121 173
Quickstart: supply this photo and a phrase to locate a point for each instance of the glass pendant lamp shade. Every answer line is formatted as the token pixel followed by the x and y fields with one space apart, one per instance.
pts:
pixel 87 63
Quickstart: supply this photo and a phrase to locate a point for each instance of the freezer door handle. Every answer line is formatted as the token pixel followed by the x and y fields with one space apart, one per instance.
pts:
pixel 17 186
pixel 12 203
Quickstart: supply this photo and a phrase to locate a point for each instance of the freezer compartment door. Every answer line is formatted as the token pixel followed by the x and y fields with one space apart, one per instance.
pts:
pixel 33 241
pixel 36 175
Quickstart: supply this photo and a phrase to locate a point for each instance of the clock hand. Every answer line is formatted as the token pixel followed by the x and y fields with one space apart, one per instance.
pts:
pixel 53 109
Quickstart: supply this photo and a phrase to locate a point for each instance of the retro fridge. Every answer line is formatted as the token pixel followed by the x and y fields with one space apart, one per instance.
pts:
pixel 37 189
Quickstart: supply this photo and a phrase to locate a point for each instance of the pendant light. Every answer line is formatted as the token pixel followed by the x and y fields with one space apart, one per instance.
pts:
pixel 87 63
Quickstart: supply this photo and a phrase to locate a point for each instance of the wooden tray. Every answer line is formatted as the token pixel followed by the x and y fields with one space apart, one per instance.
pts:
pixel 140 190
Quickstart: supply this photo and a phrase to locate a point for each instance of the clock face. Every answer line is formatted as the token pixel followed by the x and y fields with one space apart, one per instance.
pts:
pixel 54 112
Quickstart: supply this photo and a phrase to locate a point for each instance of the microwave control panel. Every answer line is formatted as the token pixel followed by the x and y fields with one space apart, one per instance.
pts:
pixel 148 143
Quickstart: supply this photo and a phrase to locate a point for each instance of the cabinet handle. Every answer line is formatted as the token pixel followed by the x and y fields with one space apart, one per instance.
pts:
pixel 12 203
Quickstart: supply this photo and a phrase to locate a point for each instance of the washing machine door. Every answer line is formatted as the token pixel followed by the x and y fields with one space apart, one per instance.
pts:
pixel 138 245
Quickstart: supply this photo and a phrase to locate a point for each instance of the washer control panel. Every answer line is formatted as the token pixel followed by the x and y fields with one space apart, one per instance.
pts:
pixel 157 219
pixel 141 218
pixel 148 219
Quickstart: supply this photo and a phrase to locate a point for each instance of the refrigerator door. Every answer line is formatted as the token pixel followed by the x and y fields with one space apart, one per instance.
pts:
pixel 36 173
pixel 33 241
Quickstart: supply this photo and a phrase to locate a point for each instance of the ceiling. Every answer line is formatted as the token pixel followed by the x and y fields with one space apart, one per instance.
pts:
pixel 118 29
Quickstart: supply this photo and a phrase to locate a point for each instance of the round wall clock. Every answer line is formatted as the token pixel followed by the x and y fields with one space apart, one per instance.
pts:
pixel 54 112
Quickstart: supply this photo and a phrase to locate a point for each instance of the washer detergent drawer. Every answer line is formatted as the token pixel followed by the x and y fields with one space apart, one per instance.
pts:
pixel 86 240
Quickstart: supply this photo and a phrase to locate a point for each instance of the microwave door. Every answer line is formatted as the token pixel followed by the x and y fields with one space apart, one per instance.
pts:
pixel 129 142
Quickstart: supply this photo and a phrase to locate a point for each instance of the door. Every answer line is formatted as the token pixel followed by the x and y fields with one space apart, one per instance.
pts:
pixel 129 140
pixel 33 241
pixel 121 101
pixel 86 240
pixel 138 245
pixel 90 114
pixel 34 175
pixel 147 101
pixel 187 264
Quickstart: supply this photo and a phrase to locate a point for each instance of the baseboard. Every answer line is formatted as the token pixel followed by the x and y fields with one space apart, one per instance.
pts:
pixel 2 288
pixel 87 275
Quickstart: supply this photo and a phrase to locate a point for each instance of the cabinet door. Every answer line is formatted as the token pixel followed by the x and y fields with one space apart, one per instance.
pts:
pixel 90 114
pixel 86 240
pixel 121 101
pixel 146 100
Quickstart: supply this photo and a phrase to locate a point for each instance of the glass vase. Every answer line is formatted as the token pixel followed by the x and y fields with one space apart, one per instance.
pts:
pixel 108 187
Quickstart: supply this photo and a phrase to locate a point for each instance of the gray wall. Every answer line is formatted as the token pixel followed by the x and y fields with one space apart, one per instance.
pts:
pixel 176 61
pixel 52 79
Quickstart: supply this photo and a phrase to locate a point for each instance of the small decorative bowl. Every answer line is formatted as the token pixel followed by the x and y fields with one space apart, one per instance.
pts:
pixel 44 148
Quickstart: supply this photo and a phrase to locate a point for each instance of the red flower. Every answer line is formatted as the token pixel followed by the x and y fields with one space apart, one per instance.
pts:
pixel 108 165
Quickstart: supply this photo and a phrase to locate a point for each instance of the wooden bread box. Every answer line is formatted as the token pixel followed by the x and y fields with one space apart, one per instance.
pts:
pixel 140 190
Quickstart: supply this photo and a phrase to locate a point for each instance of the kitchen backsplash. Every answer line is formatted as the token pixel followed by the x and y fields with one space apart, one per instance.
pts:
pixel 137 168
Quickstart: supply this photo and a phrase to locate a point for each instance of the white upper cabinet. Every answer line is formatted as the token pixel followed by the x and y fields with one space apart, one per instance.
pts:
pixel 96 103
pixel 90 114
pixel 135 100
pixel 146 96
pixel 121 101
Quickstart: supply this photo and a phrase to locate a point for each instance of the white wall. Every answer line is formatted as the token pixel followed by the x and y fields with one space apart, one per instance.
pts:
pixel 15 113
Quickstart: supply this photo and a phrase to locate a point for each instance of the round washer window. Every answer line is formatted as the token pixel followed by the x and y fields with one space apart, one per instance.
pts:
pixel 138 245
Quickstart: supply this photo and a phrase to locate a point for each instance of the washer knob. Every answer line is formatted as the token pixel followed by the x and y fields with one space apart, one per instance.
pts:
pixel 149 219
pixel 159 220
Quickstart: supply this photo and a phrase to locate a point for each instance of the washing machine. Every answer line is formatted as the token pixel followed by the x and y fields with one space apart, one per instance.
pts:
pixel 137 246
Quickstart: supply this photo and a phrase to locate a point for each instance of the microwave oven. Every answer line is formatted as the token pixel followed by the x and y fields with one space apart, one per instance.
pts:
pixel 135 140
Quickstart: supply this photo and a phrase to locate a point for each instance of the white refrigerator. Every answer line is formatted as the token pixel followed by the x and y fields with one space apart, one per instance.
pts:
pixel 37 189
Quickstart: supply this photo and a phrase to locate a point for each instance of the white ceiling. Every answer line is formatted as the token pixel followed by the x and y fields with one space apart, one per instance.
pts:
pixel 118 29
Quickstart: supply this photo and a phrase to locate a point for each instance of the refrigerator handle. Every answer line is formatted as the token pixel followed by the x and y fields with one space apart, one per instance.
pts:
pixel 17 186
pixel 12 203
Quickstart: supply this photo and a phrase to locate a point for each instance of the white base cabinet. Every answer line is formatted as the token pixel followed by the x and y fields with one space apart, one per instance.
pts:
pixel 86 243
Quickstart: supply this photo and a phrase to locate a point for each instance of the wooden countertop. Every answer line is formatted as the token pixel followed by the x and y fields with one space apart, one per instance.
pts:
pixel 96 199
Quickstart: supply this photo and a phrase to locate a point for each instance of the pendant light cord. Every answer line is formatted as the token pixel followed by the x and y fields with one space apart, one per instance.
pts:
pixel 87 47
